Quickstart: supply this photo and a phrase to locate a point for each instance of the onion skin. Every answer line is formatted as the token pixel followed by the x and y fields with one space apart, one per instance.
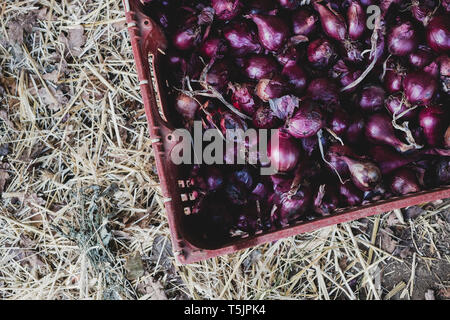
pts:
pixel 186 106
pixel 306 122
pixel 404 181
pixel 372 99
pixel 356 18
pixel 264 118
pixel 438 34
pixel 293 207
pixel 402 39
pixel 259 67
pixel 396 107
pixel 243 100
pixel 284 155
pixel 420 87
pixel 379 130
pixel 304 22
pixel 350 194
pixel 226 9
pixel 296 76
pixel 321 53
pixel 187 39
pixel 434 121
pixel 267 89
pixel 333 25
pixel 272 31
pixel 241 39
pixel 365 174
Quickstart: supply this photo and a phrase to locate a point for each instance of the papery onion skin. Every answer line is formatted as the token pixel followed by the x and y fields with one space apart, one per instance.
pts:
pixel 397 106
pixel 293 207
pixel 226 9
pixel 267 89
pixel 264 118
pixel 186 106
pixel 306 122
pixel 326 200
pixel 438 34
pixel 243 100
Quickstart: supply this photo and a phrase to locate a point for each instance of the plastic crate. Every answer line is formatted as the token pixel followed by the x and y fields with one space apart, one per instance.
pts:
pixel 147 40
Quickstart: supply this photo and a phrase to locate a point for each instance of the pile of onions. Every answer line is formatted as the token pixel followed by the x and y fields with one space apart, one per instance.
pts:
pixel 359 114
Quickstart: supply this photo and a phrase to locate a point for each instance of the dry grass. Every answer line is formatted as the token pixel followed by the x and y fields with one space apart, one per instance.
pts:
pixel 81 215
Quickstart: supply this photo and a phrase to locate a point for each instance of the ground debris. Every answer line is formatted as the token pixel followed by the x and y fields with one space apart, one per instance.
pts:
pixel 4 176
pixel 161 253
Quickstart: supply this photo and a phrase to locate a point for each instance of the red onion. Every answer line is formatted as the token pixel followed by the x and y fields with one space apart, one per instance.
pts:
pixel 273 31
pixel 438 34
pixel 241 39
pixel 304 22
pixel 186 106
pixel 285 106
pixel 289 54
pixel 365 174
pixel 379 130
pixel 355 131
pixel 188 37
pixel 421 57
pixel 321 53
pixel 243 100
pixel 213 48
pixel 372 99
pixel 231 121
pixel 306 122
pixel 296 76
pixel 356 18
pixel 324 90
pixel 326 200
pixel 393 81
pixel 310 145
pixel 259 67
pixel 292 207
pixel 402 39
pixel 264 118
pixel 420 87
pixel 267 89
pixel 397 106
pixel 387 159
pixel 350 195
pixel 332 23
pixel 260 6
pixel 434 122
pixel 404 181
pixel 284 154
pixel 340 122
pixel 219 75
pixel 226 9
